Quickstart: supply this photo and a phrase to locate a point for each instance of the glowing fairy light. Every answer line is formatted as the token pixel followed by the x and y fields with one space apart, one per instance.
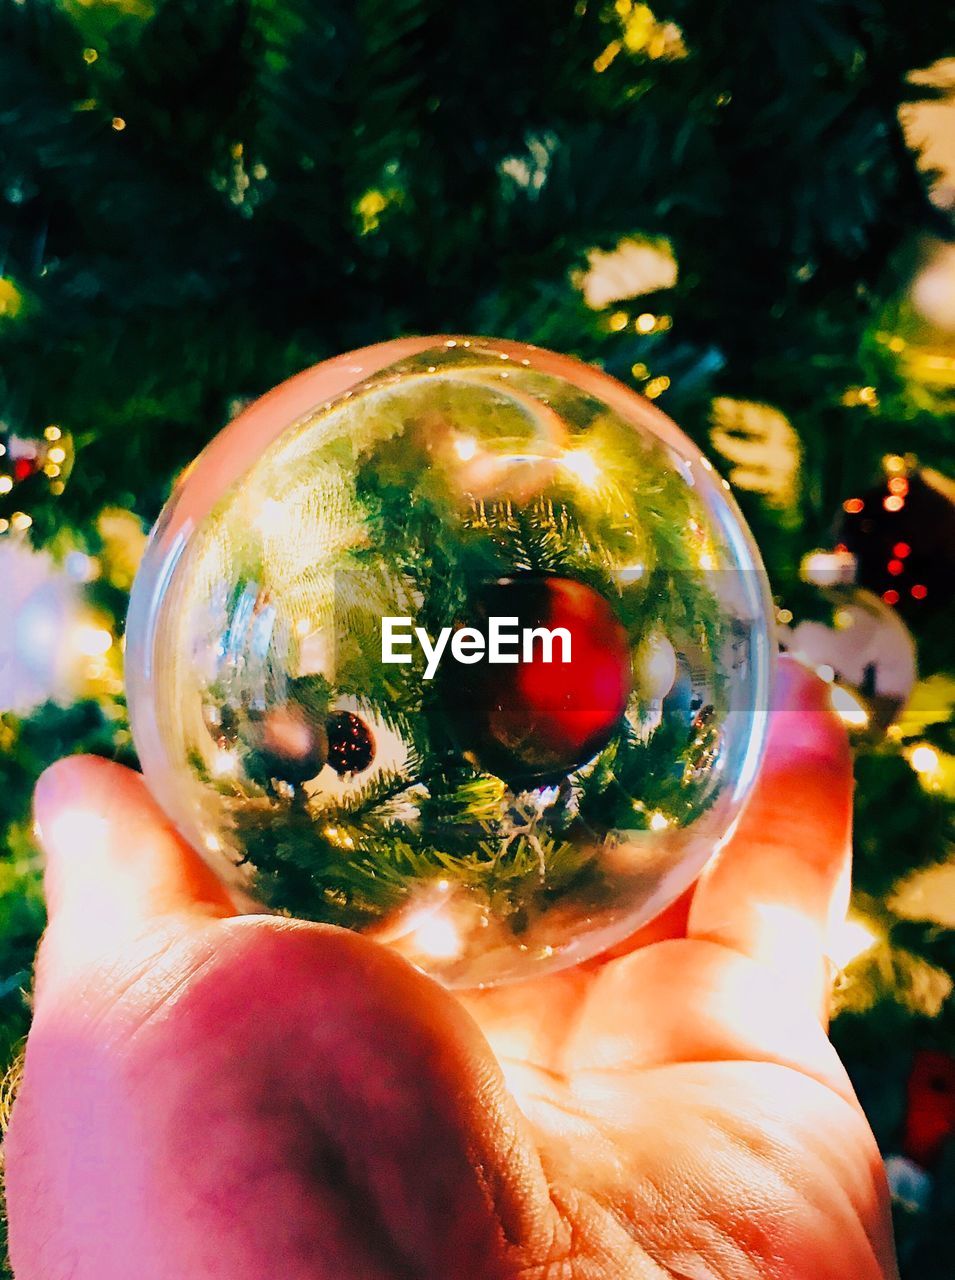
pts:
pixel 465 447
pixel 582 465
pixel 433 936
pixel 659 821
pixel 92 641
pixel 924 759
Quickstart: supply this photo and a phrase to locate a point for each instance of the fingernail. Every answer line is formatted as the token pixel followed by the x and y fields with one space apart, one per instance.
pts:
pixel 55 791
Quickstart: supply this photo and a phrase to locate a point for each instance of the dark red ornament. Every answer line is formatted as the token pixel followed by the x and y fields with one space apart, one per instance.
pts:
pixel 534 722
pixel 930 1116
pixel 902 534
pixel 351 744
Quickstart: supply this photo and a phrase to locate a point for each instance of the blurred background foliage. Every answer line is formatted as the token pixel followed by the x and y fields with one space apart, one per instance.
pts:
pixel 724 204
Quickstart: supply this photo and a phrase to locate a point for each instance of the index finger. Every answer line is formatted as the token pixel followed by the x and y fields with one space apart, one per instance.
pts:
pixel 114 867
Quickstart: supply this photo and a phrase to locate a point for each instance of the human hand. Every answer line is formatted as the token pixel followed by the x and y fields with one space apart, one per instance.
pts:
pixel 212 1097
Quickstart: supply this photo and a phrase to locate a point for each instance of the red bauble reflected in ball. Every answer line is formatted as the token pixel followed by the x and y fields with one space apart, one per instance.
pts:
pixel 351 744
pixel 532 722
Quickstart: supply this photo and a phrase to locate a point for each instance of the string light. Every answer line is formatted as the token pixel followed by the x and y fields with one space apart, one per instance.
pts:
pixel 57 453
pixel 861 395
pixel 6 484
pixel 583 465
pixel 898 484
pixel 924 759
pixel 603 60
pixel 891 596
pixel 11 299
pixel 618 321
pixel 52 433
pixel 20 521
pixel 894 502
pixel 91 641
pixel 852 506
pixel 656 387
pixel 645 323
pixel 118 123
pixel 919 591
pixel 895 567
pixel 901 550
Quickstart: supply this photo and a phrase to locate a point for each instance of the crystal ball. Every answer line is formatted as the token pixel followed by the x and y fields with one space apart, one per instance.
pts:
pixel 456 642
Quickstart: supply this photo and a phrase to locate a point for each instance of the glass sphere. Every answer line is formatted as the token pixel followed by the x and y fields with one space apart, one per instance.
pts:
pixel 456 642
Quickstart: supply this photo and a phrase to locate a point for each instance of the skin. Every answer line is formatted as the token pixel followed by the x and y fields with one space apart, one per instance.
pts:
pixel 225 1098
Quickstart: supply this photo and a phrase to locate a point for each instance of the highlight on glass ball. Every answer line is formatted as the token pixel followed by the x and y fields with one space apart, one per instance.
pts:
pixel 456 642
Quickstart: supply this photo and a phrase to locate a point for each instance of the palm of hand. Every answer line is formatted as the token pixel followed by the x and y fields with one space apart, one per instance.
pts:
pixel 214 1097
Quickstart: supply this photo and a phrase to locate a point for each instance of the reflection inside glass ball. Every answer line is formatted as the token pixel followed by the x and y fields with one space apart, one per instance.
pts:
pixel 473 656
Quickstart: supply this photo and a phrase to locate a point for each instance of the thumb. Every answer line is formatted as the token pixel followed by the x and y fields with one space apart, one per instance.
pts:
pixel 780 882
pixel 114 866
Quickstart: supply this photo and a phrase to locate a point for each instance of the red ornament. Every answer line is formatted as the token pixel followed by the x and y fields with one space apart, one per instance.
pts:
pixel 351 744
pixel 930 1118
pixel 902 534
pixel 23 468
pixel 534 721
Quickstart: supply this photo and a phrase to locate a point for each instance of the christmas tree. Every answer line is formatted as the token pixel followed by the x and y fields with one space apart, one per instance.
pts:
pixel 715 203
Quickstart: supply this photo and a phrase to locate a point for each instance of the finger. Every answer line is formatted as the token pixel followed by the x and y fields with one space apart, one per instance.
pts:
pixel 113 863
pixel 774 889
